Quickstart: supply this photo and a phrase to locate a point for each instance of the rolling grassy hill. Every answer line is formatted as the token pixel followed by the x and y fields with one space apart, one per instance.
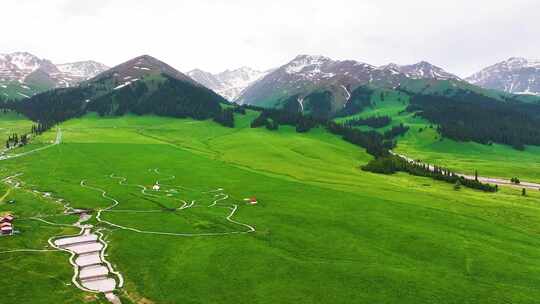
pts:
pixel 326 232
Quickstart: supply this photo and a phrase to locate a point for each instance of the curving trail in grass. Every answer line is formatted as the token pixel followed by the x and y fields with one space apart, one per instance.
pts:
pixel 115 203
pixel 122 181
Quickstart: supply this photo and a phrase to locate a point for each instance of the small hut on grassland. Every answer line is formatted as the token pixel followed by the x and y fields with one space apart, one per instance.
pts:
pixel 251 200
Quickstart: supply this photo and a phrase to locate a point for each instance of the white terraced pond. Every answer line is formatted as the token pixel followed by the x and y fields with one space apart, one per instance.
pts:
pixel 91 271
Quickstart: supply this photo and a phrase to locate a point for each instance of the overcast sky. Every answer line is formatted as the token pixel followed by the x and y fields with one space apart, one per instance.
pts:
pixel 461 36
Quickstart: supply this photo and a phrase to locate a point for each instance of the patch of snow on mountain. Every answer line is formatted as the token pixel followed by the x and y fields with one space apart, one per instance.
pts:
pixel 303 61
pixel 125 84
pixel 82 69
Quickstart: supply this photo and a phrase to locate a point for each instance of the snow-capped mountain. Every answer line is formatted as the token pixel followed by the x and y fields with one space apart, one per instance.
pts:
pixel 23 74
pixel 229 83
pixel 82 69
pixel 306 74
pixel 515 75
pixel 421 70
pixel 17 66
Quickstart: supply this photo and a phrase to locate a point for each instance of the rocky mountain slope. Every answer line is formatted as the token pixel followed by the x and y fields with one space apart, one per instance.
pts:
pixel 515 75
pixel 229 83
pixel 23 74
pixel 77 72
pixel 423 70
pixel 306 74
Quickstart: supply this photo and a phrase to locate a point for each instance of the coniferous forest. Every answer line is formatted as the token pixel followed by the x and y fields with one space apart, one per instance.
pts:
pixel 390 164
pixel 171 97
pixel 468 116
pixel 374 122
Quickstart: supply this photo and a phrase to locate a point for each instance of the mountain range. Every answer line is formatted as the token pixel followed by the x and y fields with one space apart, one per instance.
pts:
pixel 23 74
pixel 306 74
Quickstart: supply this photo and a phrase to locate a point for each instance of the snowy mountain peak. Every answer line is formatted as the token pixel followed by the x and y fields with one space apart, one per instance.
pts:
pixel 424 69
pixel 514 75
pixel 23 71
pixel 391 67
pixel 229 83
pixel 420 70
pixel 24 61
pixel 83 69
pixel 301 62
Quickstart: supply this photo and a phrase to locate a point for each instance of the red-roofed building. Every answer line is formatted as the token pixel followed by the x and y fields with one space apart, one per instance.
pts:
pixel 5 224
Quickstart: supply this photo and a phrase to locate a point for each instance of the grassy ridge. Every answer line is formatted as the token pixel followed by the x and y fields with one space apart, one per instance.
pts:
pixel 326 231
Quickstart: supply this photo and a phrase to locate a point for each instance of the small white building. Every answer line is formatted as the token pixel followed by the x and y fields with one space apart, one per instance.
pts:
pixel 156 187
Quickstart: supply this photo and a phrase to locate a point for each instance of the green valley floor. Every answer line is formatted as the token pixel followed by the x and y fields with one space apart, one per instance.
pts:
pixel 324 231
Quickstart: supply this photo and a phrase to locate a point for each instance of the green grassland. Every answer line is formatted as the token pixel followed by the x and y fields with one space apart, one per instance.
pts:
pixel 326 232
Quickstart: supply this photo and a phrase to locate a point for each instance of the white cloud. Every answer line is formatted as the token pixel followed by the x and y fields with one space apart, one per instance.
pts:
pixel 461 36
